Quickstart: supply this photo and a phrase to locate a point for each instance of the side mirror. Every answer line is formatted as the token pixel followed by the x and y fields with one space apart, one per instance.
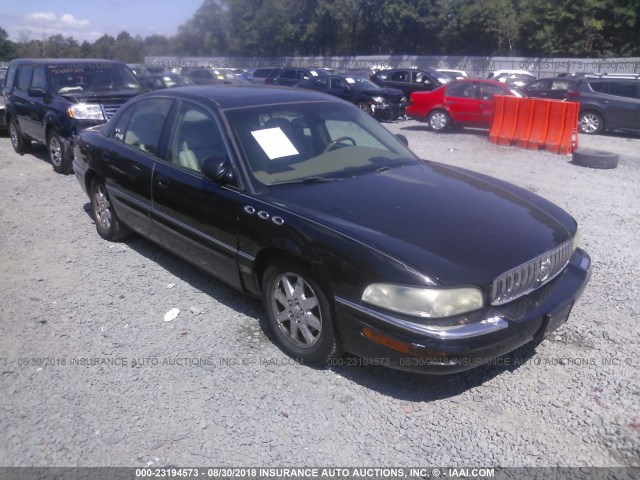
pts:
pixel 218 169
pixel 402 139
pixel 36 92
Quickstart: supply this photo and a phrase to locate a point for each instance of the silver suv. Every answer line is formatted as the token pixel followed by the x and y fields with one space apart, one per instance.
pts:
pixel 608 104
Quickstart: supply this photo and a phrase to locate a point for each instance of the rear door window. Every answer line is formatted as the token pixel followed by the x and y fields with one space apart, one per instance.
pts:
pixel 624 89
pixel 600 87
pixel 144 129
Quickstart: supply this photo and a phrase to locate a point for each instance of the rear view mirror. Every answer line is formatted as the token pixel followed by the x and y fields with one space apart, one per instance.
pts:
pixel 36 92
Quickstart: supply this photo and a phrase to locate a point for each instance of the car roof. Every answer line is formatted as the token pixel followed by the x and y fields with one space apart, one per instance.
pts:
pixel 244 95
pixel 63 61
pixel 477 80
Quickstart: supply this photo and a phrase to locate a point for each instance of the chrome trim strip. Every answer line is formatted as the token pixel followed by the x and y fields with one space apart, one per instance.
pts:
pixel 456 332
pixel 119 193
pixel 196 232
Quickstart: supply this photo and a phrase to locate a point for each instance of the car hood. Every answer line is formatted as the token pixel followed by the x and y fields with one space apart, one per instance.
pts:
pixel 383 92
pixel 97 97
pixel 455 226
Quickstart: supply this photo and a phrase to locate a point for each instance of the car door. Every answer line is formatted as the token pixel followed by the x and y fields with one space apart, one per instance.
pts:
pixel 421 82
pixel 539 89
pixel 622 105
pixel 400 79
pixel 461 101
pixel 129 157
pixel 340 88
pixel 196 218
pixel 38 101
pixel 23 103
pixel 486 93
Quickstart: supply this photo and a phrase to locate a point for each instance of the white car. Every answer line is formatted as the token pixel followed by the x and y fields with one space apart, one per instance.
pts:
pixel 456 74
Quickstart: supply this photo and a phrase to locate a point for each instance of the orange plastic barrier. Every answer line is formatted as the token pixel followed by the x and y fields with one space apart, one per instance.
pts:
pixel 510 108
pixel 535 123
pixel 524 121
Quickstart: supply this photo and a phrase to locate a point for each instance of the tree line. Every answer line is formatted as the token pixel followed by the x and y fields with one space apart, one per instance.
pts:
pixel 534 28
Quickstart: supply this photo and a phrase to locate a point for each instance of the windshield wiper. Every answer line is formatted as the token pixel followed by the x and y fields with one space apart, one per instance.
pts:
pixel 305 180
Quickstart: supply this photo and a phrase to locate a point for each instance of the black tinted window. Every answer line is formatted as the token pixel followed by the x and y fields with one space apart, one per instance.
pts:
pixel 25 77
pixel 195 139
pixel 624 89
pixel 465 90
pixel 11 74
pixel 601 87
pixel 39 78
pixel 289 74
pixel 145 127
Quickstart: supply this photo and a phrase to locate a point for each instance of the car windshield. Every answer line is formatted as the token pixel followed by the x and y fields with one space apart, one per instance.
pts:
pixel 313 142
pixel 92 77
pixel 360 83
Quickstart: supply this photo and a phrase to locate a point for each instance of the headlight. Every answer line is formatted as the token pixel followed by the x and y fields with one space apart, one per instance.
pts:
pixel 378 99
pixel 86 111
pixel 424 302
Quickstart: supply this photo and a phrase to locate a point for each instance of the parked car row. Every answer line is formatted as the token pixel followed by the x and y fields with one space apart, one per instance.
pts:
pixel 607 103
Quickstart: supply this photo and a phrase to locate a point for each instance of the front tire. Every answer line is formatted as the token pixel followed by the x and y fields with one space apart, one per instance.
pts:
pixel 365 108
pixel 20 144
pixel 299 313
pixel 108 225
pixel 439 120
pixel 59 153
pixel 591 122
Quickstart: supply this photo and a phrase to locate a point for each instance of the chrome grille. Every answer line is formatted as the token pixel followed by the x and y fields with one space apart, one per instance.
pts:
pixel 110 110
pixel 531 275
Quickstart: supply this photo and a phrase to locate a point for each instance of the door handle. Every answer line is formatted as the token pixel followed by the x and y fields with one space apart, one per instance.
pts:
pixel 162 182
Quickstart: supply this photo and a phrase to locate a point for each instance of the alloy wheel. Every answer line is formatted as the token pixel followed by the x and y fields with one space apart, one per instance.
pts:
pixel 297 310
pixel 102 207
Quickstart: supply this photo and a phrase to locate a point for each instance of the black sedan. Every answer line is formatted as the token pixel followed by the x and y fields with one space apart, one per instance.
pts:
pixel 550 88
pixel 161 81
pixel 381 103
pixel 410 80
pixel 352 242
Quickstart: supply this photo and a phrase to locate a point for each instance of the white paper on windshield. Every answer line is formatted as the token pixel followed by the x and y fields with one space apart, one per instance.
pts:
pixel 274 142
pixel 350 80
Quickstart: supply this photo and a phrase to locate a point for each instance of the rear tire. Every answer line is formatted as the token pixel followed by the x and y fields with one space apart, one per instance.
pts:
pixel 299 313
pixel 591 122
pixel 20 144
pixel 108 225
pixel 59 153
pixel 439 120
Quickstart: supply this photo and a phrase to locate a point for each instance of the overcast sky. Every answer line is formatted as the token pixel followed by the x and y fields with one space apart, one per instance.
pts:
pixel 90 19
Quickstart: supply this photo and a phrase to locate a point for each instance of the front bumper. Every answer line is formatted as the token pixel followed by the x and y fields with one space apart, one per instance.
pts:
pixel 494 331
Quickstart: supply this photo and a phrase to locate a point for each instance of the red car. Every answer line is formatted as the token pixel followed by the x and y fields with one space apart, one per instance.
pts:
pixel 462 102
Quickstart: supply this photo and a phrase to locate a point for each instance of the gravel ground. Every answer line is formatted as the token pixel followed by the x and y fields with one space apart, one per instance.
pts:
pixel 91 375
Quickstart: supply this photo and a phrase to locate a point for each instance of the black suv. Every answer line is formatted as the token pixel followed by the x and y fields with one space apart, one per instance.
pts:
pixel 51 101
pixel 411 80
pixel 608 104
pixel 290 76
